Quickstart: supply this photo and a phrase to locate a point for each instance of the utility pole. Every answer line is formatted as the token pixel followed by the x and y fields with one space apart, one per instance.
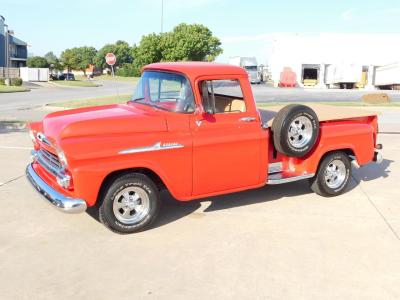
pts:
pixel 6 37
pixel 162 16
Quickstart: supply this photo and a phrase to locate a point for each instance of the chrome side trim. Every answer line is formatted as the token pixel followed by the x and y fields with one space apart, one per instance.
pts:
pixel 277 178
pixel 156 147
pixel 61 202
pixel 247 119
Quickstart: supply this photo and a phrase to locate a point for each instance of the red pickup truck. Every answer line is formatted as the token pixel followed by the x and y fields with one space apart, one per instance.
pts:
pixel 192 128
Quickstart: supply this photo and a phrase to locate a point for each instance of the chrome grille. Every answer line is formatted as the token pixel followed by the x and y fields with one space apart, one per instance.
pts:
pixel 49 161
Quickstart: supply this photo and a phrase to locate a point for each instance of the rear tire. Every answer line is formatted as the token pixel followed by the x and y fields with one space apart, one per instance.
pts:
pixel 333 175
pixel 130 204
pixel 295 130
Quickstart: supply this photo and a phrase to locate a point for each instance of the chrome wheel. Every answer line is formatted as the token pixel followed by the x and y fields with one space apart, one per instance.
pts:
pixel 335 174
pixel 300 132
pixel 131 205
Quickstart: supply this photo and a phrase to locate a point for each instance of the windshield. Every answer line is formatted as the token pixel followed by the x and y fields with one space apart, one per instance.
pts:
pixel 167 91
pixel 251 68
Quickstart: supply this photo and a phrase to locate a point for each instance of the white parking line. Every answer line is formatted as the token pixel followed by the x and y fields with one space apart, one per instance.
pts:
pixel 16 147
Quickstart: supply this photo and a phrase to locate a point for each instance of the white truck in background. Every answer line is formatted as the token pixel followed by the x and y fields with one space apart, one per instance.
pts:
pixel 343 76
pixel 250 65
pixel 388 76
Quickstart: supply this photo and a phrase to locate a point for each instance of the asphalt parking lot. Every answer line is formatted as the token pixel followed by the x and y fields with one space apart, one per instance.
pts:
pixel 29 105
pixel 277 242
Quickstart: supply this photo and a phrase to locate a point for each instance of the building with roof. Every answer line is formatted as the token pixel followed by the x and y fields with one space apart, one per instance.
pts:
pixel 17 53
pixel 329 59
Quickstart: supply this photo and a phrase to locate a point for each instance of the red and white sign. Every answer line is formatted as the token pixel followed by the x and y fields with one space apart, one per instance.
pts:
pixel 111 59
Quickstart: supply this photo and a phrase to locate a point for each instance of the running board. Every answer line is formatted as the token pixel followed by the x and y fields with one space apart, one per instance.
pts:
pixel 275 168
pixel 277 178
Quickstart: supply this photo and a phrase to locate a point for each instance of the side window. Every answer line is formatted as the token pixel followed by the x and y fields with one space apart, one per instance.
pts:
pixel 222 96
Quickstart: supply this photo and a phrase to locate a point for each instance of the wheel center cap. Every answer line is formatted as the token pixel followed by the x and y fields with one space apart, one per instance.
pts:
pixel 331 174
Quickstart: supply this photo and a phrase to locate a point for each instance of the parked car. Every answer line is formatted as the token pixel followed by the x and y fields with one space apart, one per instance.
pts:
pixel 66 76
pixel 194 129
pixel 53 76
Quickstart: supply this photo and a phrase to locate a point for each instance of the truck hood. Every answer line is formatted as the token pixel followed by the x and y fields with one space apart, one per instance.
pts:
pixel 102 120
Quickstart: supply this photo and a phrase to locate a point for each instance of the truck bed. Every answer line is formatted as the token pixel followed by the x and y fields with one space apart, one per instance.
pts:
pixel 324 112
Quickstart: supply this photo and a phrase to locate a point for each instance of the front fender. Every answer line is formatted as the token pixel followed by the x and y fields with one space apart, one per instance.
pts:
pixel 172 166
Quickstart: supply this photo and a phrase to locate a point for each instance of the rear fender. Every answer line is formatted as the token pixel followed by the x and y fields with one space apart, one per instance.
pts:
pixel 359 138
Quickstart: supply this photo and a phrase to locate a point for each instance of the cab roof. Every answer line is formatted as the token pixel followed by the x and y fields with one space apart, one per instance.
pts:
pixel 196 69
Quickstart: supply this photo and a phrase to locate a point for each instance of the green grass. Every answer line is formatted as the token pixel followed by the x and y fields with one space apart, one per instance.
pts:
pixel 117 78
pixel 12 89
pixel 124 98
pixel 75 83
pixel 93 101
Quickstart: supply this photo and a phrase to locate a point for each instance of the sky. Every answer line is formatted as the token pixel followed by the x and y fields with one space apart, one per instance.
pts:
pixel 245 28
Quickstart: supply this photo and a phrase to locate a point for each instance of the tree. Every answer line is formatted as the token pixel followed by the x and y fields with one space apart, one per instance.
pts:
pixel 149 50
pixel 85 57
pixel 122 51
pixel 78 58
pixel 53 61
pixel 190 42
pixel 51 58
pixel 69 59
pixel 185 42
pixel 37 62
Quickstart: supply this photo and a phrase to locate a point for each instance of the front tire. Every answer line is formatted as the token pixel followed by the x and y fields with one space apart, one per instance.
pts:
pixel 130 204
pixel 333 175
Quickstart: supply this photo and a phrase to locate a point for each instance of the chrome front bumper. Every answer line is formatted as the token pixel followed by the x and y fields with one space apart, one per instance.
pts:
pixel 61 202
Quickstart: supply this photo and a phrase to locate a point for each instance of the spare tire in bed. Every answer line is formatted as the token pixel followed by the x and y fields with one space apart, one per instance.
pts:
pixel 295 130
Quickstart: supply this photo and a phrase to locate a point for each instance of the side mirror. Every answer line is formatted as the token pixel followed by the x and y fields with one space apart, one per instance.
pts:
pixel 210 111
pixel 204 111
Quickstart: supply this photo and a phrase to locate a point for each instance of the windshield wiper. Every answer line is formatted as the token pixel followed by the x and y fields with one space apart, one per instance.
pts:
pixel 137 99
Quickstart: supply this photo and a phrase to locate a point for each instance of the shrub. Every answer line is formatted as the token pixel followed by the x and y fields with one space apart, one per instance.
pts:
pixel 127 70
pixel 37 62
pixel 16 81
pixel 2 81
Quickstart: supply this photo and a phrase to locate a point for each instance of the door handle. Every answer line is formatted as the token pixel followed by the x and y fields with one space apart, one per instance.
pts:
pixel 247 119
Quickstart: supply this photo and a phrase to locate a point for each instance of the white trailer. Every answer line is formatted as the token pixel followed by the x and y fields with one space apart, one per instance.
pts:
pixel 343 75
pixel 388 76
